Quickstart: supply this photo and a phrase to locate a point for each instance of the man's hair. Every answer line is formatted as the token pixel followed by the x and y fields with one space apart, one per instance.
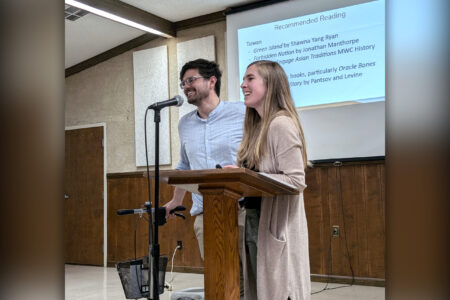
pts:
pixel 206 69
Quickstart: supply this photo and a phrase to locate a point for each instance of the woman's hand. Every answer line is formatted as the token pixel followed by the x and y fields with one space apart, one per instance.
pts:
pixel 230 167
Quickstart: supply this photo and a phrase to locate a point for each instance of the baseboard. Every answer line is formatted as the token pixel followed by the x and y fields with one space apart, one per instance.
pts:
pixel 182 269
pixel 348 280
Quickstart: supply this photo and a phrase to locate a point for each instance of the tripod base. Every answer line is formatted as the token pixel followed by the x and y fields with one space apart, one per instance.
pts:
pixel 134 277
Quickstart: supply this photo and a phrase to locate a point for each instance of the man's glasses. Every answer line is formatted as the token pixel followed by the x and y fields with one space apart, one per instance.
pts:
pixel 189 81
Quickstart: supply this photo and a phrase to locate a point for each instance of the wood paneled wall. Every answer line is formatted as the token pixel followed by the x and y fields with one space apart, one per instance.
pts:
pixel 351 196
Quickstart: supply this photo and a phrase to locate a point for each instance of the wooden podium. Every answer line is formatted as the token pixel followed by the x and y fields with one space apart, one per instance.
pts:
pixel 221 190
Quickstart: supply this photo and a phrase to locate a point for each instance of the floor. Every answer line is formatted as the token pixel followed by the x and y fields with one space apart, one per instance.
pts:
pixel 96 283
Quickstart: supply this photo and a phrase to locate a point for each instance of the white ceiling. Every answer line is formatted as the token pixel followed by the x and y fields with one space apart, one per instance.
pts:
pixel 91 35
pixel 178 10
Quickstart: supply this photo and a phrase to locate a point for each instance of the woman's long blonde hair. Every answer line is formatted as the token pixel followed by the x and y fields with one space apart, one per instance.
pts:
pixel 278 102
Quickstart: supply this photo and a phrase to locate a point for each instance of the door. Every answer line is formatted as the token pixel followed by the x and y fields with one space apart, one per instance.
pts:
pixel 84 196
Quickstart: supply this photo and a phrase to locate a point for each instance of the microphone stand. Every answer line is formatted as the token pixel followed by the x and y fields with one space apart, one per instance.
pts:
pixel 156 249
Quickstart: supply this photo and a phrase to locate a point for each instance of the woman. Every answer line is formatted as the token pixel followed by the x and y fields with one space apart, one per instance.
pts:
pixel 276 230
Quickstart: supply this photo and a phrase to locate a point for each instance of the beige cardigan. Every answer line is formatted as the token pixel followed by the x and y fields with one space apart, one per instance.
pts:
pixel 283 255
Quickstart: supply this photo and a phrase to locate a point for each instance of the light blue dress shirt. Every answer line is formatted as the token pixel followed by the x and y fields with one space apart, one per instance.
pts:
pixel 211 141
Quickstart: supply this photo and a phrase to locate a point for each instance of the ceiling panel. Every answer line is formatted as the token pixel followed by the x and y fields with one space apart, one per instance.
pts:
pixel 91 35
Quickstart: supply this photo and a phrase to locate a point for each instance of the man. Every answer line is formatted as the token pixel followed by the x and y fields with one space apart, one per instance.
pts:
pixel 209 135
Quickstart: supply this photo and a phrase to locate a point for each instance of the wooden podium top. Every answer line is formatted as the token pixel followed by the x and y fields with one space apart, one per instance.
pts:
pixel 240 180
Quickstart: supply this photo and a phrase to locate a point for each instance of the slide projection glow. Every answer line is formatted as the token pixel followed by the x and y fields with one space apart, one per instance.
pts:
pixel 329 57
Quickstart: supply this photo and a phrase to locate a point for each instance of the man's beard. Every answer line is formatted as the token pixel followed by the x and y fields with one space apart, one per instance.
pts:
pixel 197 98
pixel 194 101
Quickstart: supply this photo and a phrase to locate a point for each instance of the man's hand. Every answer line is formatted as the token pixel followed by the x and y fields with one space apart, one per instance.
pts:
pixel 177 200
pixel 169 206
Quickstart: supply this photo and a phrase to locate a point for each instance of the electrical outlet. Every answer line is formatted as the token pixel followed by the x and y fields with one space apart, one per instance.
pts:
pixel 335 230
pixel 179 245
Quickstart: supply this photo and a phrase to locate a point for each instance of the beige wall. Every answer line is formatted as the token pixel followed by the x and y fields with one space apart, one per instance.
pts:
pixel 104 94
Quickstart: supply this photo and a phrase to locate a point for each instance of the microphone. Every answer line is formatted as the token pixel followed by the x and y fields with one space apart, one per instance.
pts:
pixel 177 100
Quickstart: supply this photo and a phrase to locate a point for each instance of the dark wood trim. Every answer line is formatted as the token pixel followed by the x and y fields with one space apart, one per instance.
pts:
pixel 200 21
pixel 135 174
pixel 348 280
pixel 130 12
pixel 140 40
pixel 249 6
pixel 182 269
pixel 349 159
pixel 339 163
pixel 125 174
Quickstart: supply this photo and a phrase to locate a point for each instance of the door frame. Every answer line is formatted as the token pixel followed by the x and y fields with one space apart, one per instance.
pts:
pixel 105 188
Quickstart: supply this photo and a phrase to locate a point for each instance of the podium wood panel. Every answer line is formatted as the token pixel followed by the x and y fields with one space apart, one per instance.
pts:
pixel 221 243
pixel 221 190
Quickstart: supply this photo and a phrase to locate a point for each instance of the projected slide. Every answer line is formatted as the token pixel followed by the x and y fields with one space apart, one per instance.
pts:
pixel 329 57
